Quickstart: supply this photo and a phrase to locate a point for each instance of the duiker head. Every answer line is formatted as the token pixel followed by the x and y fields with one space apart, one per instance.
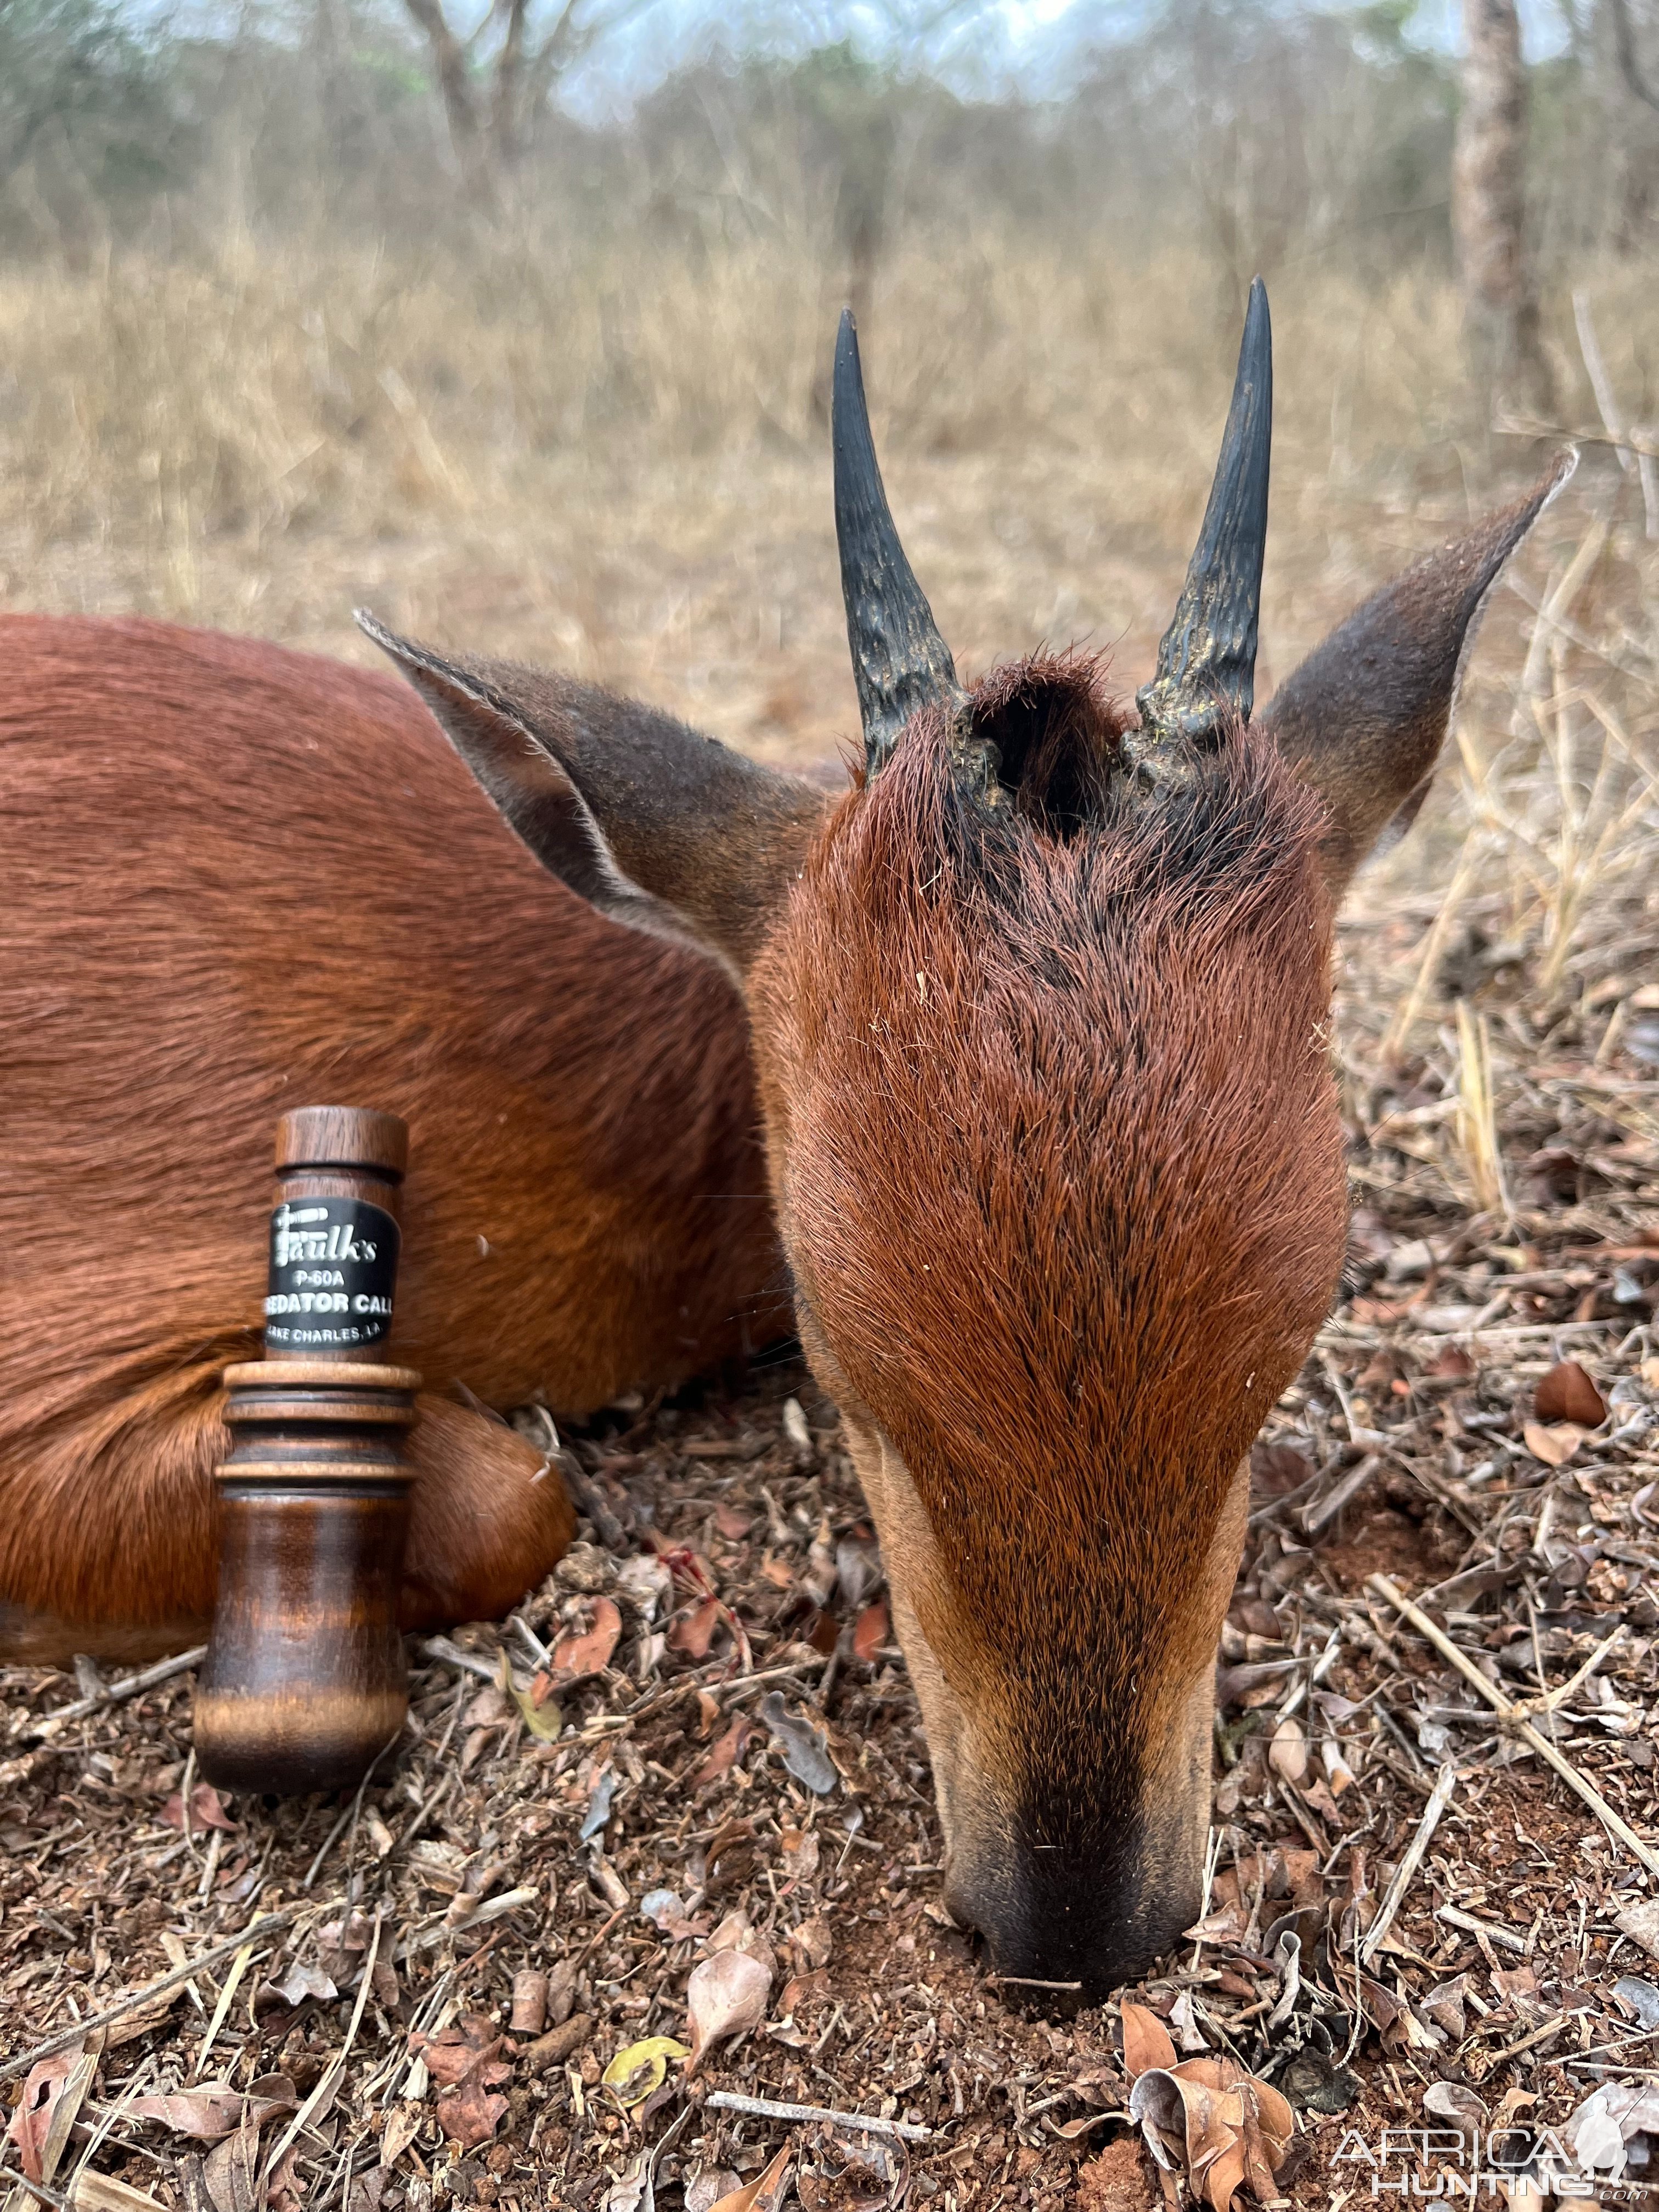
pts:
pixel 1040 1009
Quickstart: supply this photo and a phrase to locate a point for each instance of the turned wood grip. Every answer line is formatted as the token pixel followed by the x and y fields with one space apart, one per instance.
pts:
pixel 304 1682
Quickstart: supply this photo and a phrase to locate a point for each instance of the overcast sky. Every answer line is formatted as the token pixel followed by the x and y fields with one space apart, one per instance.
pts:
pixel 1034 47
pixel 980 47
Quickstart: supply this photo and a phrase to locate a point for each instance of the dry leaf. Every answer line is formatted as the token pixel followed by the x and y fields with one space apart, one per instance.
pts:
pixel 231 2171
pixel 1640 1922
pixel 1215 2126
pixel 32 2121
pixel 803 1989
pixel 805 1748
pixel 1287 1753
pixel 470 2112
pixel 1567 1393
pixel 663 1908
pixel 101 2192
pixel 720 1760
pixel 1554 1446
pixel 1184 2021
pixel 693 1632
pixel 207 1810
pixel 529 2015
pixel 800 1853
pixel 844 2169
pixel 766 2192
pixel 474 2041
pixel 705 2189
pixel 299 1983
pixel 574 1657
pixel 871 1631
pixel 1458 2105
pixel 859 1570
pixel 812 1943
pixel 640 2071
pixel 209 2112
pixel 1147 2041
pixel 403 2124
pixel 727 1995
pixel 737 1932
pixel 282 2190
pixel 464 2061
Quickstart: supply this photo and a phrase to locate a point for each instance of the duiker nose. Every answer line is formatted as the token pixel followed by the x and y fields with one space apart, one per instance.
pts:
pixel 1061 1933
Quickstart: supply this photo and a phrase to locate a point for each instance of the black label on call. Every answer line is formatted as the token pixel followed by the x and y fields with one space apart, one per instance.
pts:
pixel 333 1269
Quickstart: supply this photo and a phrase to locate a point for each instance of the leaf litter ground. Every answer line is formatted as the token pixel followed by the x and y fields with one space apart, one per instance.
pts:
pixel 661 1849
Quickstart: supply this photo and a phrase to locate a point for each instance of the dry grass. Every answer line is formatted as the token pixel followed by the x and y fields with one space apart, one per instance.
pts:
pixel 616 460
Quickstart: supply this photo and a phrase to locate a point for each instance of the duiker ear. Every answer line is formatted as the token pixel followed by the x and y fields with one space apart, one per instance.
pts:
pixel 654 825
pixel 1364 717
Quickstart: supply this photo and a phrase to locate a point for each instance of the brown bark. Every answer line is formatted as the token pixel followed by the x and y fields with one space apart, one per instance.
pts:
pixel 489 108
pixel 451 65
pixel 1629 66
pixel 506 118
pixel 1489 204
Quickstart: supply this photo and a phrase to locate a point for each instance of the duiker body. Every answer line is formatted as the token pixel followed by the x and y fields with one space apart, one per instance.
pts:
pixel 1038 1008
pixel 239 880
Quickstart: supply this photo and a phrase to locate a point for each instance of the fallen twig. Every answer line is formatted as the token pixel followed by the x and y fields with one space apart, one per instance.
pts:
pixel 492 1908
pixel 1481 2066
pixel 239 1966
pixel 1316 1517
pixel 1549 1701
pixel 1406 1872
pixel 135 2000
pixel 1506 1938
pixel 589 1499
pixel 766 2108
pixel 1321 1667
pixel 116 1694
pixel 467 1663
pixel 40 2189
pixel 1514 1717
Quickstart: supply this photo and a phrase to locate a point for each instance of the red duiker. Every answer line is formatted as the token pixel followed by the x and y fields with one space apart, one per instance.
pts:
pixel 1039 1011
pixel 1041 1015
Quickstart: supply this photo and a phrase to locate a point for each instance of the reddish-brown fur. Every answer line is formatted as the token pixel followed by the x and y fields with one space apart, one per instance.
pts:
pixel 1088 1068
pixel 238 879
pixel 1092 1077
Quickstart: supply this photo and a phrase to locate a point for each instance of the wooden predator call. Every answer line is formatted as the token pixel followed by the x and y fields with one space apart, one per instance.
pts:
pixel 304 1680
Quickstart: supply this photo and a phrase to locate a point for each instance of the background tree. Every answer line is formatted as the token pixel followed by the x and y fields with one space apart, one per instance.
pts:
pixel 1489 207
pixel 88 112
pixel 495 80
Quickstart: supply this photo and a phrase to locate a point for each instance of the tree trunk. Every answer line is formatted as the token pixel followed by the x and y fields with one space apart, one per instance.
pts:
pixel 450 65
pixel 506 119
pixel 1488 208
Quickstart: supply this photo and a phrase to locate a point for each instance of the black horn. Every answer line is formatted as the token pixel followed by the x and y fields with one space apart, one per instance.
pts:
pixel 900 662
pixel 1207 662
